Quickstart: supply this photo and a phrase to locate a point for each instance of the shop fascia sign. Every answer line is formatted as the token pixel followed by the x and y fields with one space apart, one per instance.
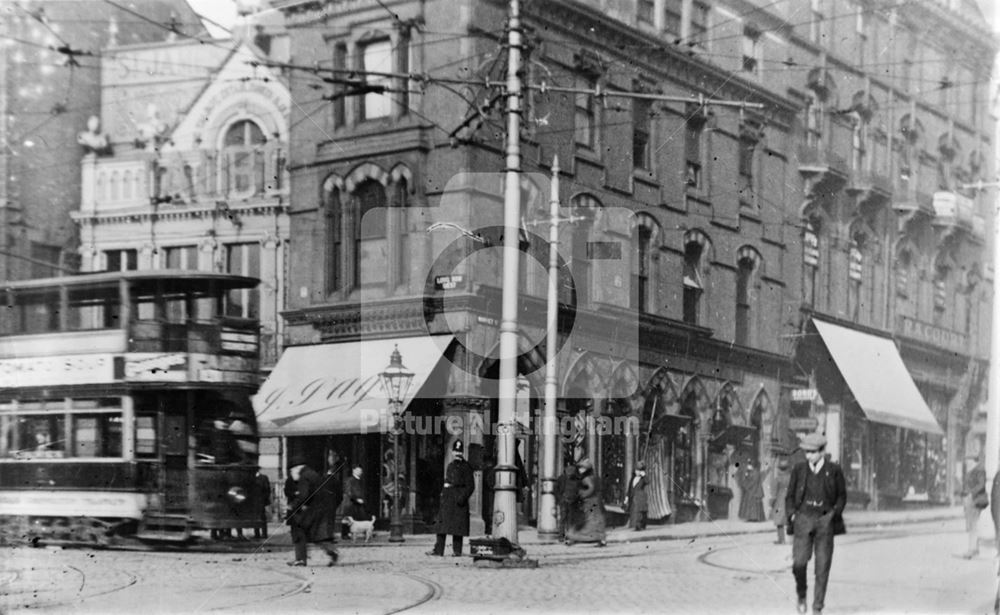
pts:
pixel 804 394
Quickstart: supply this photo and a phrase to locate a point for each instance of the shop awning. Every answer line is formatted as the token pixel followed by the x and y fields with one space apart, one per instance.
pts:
pixel 335 389
pixel 877 377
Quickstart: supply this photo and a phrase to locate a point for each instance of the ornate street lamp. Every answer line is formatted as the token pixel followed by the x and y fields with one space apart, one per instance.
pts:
pixel 396 381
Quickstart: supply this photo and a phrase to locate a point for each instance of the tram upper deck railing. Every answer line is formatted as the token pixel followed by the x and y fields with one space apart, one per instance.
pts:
pixel 163 311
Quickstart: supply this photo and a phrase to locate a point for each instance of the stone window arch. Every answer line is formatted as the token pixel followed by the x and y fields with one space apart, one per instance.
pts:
pixel 748 269
pixel 242 159
pixel 697 248
pixel 645 245
pixel 585 207
pixel 911 136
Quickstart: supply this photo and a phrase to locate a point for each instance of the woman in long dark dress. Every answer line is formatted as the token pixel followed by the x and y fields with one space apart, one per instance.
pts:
pixel 591 506
pixel 752 500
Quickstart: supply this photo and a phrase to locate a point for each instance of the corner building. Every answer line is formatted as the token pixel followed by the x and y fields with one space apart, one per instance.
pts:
pixel 697 241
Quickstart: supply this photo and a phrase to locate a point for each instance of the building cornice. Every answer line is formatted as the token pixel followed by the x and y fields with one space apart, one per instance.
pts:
pixel 654 56
pixel 169 212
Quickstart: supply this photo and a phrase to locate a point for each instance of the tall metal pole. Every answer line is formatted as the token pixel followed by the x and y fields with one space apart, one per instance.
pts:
pixel 504 501
pixel 992 450
pixel 547 527
pixel 395 522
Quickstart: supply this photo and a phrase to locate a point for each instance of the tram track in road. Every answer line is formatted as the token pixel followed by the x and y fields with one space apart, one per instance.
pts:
pixel 855 538
pixel 433 593
pixel 51 573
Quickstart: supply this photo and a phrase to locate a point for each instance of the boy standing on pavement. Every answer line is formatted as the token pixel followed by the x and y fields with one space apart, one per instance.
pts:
pixel 815 502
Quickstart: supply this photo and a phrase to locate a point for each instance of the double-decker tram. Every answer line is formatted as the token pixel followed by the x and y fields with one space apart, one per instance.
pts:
pixel 125 406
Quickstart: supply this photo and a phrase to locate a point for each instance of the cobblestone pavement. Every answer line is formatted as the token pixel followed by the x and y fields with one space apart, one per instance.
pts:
pixel 896 569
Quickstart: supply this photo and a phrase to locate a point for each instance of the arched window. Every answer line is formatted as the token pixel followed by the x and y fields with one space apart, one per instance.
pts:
pixel 114 187
pixel 970 302
pixel 644 236
pixel 370 246
pixel 695 248
pixel 747 263
pixel 911 132
pixel 584 208
pixel 243 159
pixel 942 275
pixel 127 185
pixel 810 261
pixel 948 153
pixel 855 276
pixel 333 235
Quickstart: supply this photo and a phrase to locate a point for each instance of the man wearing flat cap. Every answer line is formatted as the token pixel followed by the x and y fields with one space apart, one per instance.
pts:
pixel 453 516
pixel 815 502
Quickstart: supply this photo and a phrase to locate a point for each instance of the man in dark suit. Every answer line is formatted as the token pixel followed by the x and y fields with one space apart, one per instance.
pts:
pixel 815 503
pixel 309 513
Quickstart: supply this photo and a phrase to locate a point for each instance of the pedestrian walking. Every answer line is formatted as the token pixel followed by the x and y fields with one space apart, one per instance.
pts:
pixel 353 501
pixel 751 493
pixel 591 508
pixel 636 501
pixel 568 492
pixel 453 518
pixel 262 486
pixel 779 512
pixel 815 503
pixel 974 500
pixel 309 514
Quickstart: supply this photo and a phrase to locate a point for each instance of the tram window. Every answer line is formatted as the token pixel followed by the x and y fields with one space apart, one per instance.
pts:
pixel 145 436
pixel 97 435
pixel 39 317
pixel 38 436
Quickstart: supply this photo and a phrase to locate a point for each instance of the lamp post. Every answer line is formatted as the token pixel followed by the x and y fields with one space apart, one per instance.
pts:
pixel 396 381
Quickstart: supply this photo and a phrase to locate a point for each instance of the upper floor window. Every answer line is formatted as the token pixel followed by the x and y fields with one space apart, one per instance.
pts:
pixel 861 31
pixel 243 259
pixel 180 257
pixel 243 161
pixel 644 10
pixel 855 279
pixel 751 51
pixel 584 208
pixel 643 239
pixel 376 56
pixel 121 260
pixel 695 245
pixel 366 234
pixel 817 21
pixel 699 24
pixel 339 102
pixel 370 245
pixel 693 131
pixel 586 117
pixel 904 262
pixel 746 267
pixel 810 262
pixel 672 17
pixel 814 120
pixel 640 134
pixel 748 148
pixel 941 274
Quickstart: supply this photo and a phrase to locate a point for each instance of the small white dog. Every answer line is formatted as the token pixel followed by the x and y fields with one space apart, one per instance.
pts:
pixel 361 527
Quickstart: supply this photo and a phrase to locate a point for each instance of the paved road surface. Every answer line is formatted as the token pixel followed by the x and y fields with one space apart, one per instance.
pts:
pixel 899 569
